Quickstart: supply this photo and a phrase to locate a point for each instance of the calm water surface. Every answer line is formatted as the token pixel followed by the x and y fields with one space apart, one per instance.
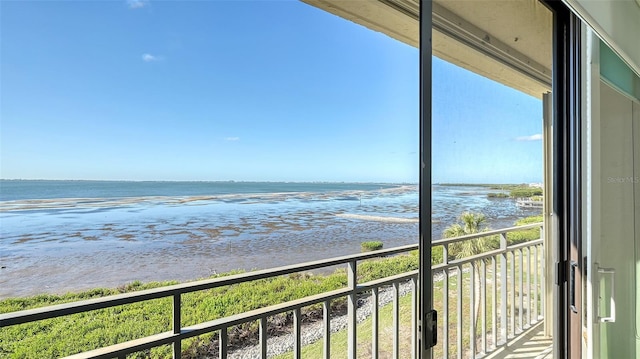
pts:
pixel 59 236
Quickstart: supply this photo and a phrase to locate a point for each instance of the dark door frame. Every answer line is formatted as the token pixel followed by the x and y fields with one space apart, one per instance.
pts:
pixel 570 269
pixel 567 179
pixel 427 317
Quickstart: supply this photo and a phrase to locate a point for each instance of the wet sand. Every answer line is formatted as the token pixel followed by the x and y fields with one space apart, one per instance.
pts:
pixel 58 249
pixel 85 262
pixel 60 246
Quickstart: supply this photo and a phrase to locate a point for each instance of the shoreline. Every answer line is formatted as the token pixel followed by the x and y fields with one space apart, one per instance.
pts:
pixel 73 249
pixel 212 303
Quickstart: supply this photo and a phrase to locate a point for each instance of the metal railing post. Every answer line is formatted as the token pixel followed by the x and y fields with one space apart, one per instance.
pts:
pixel 177 326
pixel 513 292
pixel 536 283
pixel 483 304
pixel 352 305
pixel 521 291
pixel 414 318
pixel 494 302
pixel 459 312
pixel 222 344
pixel 542 284
pixel 529 296
pixel 263 337
pixel 326 311
pixel 445 254
pixel 374 323
pixel 445 303
pixel 445 314
pixel 472 308
pixel 396 320
pixel 296 334
pixel 504 332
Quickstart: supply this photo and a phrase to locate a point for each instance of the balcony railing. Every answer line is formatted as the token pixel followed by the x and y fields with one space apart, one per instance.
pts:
pixel 517 306
pixel 510 278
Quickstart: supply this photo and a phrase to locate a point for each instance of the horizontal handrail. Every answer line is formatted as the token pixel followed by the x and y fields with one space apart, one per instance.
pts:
pixel 443 241
pixel 226 322
pixel 486 255
pixel 209 326
pixel 363 287
pixel 59 310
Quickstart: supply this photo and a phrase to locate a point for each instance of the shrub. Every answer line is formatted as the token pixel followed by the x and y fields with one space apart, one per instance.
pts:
pixel 371 246
pixel 436 255
pixel 529 220
pixel 527 234
pixel 383 267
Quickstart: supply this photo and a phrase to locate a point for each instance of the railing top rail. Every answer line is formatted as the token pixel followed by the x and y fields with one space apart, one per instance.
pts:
pixel 216 324
pixel 207 327
pixel 443 241
pixel 486 255
pixel 25 316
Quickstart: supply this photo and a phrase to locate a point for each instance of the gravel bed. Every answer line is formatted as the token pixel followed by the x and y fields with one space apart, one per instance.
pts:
pixel 313 331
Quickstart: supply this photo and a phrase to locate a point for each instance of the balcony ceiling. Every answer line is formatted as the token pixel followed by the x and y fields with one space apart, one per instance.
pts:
pixel 508 41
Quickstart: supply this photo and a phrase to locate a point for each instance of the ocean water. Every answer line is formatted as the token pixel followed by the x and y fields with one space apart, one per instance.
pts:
pixel 59 236
pixel 11 190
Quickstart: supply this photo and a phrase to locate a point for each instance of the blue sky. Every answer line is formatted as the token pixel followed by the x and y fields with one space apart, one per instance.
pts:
pixel 240 90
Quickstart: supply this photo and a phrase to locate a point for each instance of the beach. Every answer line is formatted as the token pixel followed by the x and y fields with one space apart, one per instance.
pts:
pixel 57 245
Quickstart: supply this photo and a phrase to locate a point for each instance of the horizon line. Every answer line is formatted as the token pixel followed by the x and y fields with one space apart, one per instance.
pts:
pixel 441 183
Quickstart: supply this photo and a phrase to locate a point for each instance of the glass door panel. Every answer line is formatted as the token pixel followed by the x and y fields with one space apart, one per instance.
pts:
pixel 615 251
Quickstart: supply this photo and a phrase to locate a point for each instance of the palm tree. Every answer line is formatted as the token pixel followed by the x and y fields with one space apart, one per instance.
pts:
pixel 470 223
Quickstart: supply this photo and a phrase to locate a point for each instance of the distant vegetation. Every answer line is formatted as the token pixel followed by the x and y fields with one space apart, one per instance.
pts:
pixel 521 192
pixel 497 195
pixel 499 186
pixel 371 246
pixel 515 191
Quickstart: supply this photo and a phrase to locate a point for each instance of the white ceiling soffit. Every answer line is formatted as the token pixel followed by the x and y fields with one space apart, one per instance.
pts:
pixel 506 41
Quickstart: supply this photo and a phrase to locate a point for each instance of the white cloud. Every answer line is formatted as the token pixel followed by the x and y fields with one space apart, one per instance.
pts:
pixel 536 137
pixel 137 4
pixel 150 58
pixel 232 139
